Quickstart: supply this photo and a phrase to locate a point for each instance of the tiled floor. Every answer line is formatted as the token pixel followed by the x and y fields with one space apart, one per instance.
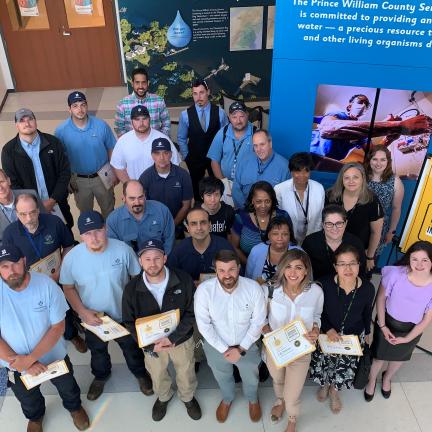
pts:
pixel 123 407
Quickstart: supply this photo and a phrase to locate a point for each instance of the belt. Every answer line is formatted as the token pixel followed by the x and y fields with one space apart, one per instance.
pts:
pixel 89 176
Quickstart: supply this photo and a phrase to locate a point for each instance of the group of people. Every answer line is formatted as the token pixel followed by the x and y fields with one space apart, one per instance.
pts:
pixel 240 252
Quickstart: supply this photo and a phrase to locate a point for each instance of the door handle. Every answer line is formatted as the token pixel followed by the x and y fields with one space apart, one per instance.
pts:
pixel 65 32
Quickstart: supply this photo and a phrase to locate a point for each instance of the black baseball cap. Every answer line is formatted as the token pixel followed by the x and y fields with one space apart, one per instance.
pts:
pixel 139 111
pixel 10 253
pixel 238 106
pixel 152 244
pixel 90 220
pixel 161 144
pixel 76 96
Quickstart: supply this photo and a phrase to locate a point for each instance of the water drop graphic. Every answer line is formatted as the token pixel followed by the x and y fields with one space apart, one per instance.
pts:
pixel 179 33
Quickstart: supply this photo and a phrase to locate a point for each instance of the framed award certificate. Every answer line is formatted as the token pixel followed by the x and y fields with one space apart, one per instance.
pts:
pixel 55 370
pixel 287 344
pixel 108 330
pixel 150 329
pixel 48 265
pixel 350 345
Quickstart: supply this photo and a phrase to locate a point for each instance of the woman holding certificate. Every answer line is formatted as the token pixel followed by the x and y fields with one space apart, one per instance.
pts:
pixel 346 321
pixel 404 310
pixel 295 297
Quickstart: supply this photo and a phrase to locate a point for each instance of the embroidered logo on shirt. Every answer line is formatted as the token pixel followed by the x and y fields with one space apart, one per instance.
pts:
pixel 40 307
pixel 154 222
pixel 116 262
pixel 48 239
pixel 177 185
pixel 50 151
pixel 178 291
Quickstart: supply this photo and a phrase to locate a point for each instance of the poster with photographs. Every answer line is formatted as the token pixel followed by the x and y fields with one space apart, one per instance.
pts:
pixel 348 121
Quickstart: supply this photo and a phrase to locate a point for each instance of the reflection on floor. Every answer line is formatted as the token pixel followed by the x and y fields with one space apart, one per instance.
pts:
pixel 123 407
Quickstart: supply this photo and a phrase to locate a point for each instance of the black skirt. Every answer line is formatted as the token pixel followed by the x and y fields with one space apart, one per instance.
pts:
pixel 383 350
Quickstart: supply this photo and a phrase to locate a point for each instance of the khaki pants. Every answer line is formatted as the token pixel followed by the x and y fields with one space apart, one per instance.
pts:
pixel 89 189
pixel 288 382
pixel 182 357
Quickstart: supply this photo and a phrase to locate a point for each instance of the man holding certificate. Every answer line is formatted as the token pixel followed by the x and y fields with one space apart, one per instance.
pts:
pixel 44 239
pixel 230 312
pixel 158 311
pixel 93 275
pixel 32 322
pixel 299 302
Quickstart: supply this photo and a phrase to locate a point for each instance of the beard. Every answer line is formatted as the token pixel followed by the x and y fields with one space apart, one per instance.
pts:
pixel 15 280
pixel 228 282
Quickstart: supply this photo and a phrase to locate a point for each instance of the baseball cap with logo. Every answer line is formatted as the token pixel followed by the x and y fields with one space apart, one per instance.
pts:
pixel 161 144
pixel 90 220
pixel 76 96
pixel 23 112
pixel 237 106
pixel 152 244
pixel 10 253
pixel 139 111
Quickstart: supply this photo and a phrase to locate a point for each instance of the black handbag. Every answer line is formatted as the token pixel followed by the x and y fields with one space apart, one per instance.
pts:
pixel 364 366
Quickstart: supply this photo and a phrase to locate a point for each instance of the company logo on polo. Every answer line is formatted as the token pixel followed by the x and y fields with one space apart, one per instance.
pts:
pixel 76 94
pixel 88 220
pixel 150 243
pixel 3 252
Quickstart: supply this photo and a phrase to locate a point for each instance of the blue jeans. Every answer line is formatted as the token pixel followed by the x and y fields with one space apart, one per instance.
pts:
pixel 223 372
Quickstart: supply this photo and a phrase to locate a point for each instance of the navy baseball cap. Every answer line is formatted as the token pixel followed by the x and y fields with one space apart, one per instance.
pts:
pixel 161 144
pixel 151 244
pixel 238 106
pixel 90 220
pixel 23 112
pixel 139 111
pixel 10 253
pixel 76 96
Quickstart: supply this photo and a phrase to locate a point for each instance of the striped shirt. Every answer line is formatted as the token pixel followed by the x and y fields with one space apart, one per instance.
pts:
pixel 159 115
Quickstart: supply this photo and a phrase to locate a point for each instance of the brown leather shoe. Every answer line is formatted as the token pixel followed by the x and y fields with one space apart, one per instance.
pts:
pixel 79 343
pixel 255 411
pixel 80 419
pixel 35 426
pixel 222 411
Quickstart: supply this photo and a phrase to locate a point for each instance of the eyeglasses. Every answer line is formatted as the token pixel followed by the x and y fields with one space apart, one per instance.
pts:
pixel 348 265
pixel 337 225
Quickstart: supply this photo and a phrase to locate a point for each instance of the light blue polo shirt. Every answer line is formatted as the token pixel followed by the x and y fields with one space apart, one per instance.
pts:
pixel 87 148
pixel 224 152
pixel 157 223
pixel 26 316
pixel 100 277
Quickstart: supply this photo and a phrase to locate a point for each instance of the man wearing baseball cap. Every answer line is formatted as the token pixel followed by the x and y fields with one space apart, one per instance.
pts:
pixel 37 160
pixel 93 275
pixel 232 143
pixel 89 142
pixel 168 183
pixel 132 154
pixel 32 323
pixel 159 115
pixel 161 289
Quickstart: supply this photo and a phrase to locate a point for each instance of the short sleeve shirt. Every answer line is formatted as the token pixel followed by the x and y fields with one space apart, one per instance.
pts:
pixel 27 315
pixel 100 277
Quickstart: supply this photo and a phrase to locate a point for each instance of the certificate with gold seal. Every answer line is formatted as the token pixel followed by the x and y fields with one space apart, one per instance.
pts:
pixel 150 329
pixel 48 265
pixel 287 343
pixel 350 345
pixel 55 370
pixel 108 330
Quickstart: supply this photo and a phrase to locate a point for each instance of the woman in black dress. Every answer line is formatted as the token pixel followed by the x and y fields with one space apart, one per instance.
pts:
pixel 347 311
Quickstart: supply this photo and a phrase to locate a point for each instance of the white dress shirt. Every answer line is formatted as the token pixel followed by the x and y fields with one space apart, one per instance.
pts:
pixel 307 306
pixel 226 319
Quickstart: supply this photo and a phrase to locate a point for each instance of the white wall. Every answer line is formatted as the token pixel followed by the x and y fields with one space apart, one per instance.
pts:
pixel 5 75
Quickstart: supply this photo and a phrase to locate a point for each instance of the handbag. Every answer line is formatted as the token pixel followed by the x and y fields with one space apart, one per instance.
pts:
pixel 364 366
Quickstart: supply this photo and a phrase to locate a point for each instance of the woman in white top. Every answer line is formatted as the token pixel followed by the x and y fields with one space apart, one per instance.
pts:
pixel 295 297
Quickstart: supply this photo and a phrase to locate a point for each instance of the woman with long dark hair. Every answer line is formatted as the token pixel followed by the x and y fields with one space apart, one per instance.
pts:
pixel 404 311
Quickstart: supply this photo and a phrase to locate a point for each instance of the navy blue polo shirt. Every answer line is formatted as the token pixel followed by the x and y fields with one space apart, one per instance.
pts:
pixel 185 257
pixel 50 235
pixel 171 191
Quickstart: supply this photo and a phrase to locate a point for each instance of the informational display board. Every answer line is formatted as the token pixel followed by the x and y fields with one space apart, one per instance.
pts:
pixel 418 224
pixel 326 52
pixel 227 42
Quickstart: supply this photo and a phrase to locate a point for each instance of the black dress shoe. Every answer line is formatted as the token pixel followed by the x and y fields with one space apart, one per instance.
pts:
pixel 386 393
pixel 145 384
pixel 193 409
pixel 368 397
pixel 159 409
pixel 96 389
